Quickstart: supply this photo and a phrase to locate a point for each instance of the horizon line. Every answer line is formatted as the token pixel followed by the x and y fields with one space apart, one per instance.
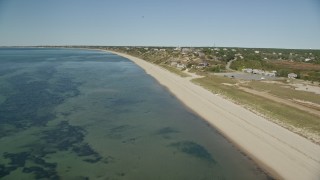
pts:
pixel 244 47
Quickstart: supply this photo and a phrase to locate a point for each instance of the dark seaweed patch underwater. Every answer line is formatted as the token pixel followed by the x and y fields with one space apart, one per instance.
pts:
pixel 81 114
pixel 30 101
pixel 193 149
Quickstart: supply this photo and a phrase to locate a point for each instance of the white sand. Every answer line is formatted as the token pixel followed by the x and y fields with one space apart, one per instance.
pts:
pixel 280 152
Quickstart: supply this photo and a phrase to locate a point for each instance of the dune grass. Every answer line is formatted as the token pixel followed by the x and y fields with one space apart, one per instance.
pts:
pixel 285 115
pixel 174 70
pixel 287 92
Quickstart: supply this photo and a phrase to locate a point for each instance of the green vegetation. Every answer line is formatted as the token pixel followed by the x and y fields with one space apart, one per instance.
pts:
pixel 286 92
pixel 175 70
pixel 285 114
pixel 305 63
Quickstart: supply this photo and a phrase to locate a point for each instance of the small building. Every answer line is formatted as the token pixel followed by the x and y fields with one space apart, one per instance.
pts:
pixel 247 70
pixel 173 63
pixel 177 49
pixel 257 71
pixel 181 66
pixel 186 50
pixel 202 65
pixel 292 75
pixel 270 74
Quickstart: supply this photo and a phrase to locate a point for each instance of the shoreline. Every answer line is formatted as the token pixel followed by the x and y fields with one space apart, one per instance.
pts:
pixel 279 152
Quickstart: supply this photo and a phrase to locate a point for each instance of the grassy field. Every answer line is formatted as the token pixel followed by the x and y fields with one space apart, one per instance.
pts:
pixel 286 92
pixel 291 118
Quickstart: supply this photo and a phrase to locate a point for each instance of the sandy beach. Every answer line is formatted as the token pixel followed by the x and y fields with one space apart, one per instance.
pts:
pixel 283 154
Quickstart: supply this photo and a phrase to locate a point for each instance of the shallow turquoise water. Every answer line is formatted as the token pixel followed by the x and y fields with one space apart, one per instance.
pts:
pixel 80 114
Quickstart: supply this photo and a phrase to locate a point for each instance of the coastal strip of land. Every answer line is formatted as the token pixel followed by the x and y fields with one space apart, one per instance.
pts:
pixel 283 154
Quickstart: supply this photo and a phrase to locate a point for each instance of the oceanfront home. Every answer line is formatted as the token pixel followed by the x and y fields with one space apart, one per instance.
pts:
pixel 292 75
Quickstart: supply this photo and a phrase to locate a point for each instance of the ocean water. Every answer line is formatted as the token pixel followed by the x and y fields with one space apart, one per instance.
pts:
pixel 85 114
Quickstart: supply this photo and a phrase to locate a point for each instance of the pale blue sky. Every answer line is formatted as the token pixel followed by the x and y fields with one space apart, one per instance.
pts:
pixel 236 23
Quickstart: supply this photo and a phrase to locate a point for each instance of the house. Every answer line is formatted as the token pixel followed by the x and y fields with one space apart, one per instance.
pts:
pixel 181 66
pixel 185 50
pixel 247 70
pixel 307 60
pixel 292 75
pixel 177 49
pixel 257 71
pixel 257 52
pixel 173 63
pixel 202 65
pixel 270 74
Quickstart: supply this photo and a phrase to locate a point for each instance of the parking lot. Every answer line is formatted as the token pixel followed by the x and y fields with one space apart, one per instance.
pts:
pixel 245 76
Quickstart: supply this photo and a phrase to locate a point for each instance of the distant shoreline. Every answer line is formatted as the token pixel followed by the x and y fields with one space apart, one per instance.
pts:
pixel 271 146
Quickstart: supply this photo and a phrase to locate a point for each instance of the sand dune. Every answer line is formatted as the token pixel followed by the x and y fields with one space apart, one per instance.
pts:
pixel 283 154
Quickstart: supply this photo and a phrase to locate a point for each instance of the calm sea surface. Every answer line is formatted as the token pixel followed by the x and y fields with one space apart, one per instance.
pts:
pixel 80 114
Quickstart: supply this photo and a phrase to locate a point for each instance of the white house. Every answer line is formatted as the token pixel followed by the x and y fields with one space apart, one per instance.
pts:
pixel 173 63
pixel 270 74
pixel 257 71
pixel 247 70
pixel 292 75
pixel 177 49
pixel 181 66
